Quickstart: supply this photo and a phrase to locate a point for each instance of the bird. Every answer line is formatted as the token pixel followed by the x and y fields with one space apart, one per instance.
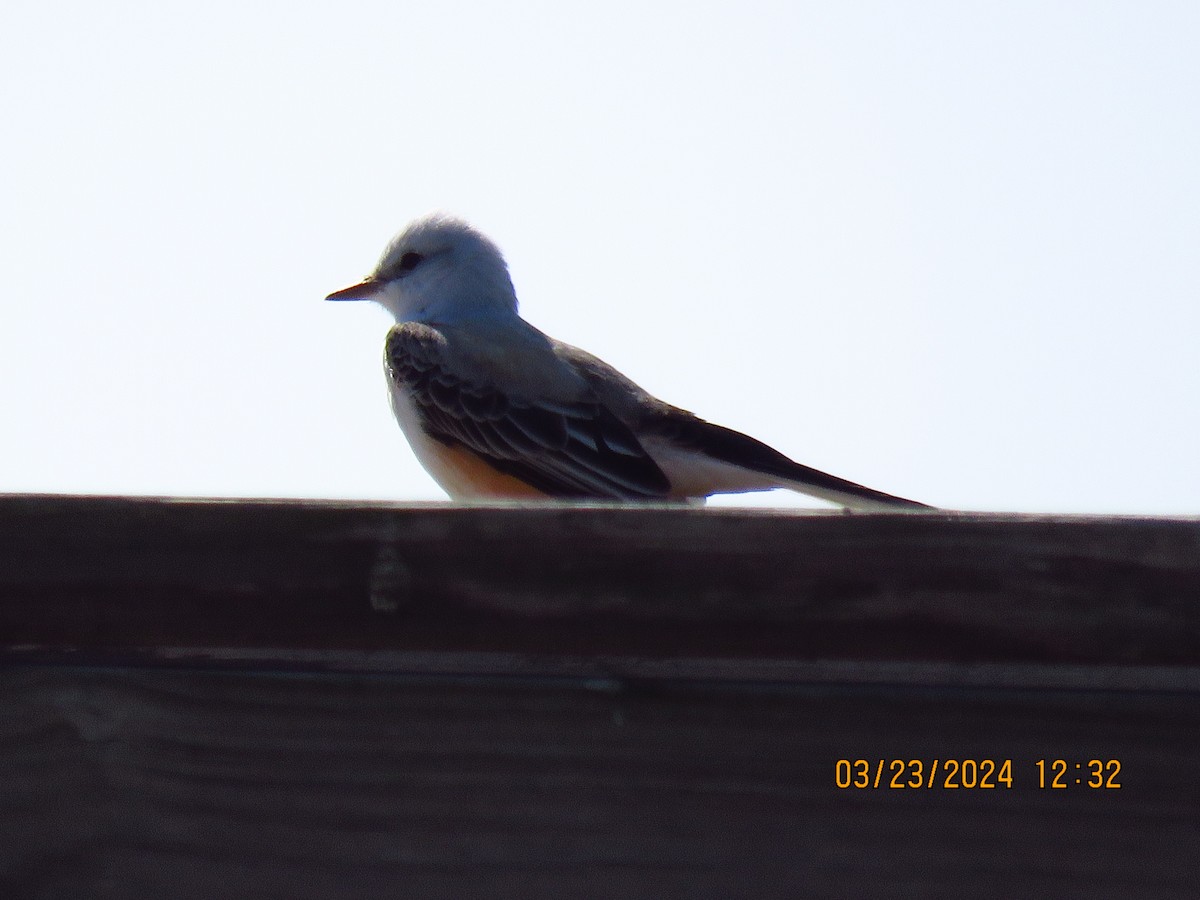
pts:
pixel 496 410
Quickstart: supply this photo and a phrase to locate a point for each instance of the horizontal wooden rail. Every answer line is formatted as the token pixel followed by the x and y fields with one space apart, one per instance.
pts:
pixel 597 591
pixel 320 700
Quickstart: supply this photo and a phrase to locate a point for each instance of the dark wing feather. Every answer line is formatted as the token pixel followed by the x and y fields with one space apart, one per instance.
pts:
pixel 687 431
pixel 577 448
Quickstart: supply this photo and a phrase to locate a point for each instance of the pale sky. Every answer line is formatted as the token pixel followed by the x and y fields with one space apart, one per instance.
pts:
pixel 949 250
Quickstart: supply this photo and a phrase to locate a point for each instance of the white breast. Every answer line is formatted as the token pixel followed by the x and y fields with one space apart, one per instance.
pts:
pixel 427 450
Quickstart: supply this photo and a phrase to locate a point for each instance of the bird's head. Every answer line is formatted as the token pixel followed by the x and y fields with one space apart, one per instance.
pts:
pixel 438 269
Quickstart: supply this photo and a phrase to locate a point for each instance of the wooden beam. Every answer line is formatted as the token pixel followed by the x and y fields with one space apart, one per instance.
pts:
pixel 647 592
pixel 315 700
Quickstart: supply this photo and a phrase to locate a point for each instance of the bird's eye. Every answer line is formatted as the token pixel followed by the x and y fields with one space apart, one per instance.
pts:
pixel 409 261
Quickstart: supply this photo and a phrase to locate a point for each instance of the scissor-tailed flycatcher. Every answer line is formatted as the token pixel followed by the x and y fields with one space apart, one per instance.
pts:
pixel 493 408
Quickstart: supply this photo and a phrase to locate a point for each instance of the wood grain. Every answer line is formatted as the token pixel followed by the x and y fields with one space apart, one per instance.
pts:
pixel 314 699
pixel 556 588
pixel 123 784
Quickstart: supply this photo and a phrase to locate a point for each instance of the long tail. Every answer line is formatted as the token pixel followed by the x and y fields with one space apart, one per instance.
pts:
pixel 746 464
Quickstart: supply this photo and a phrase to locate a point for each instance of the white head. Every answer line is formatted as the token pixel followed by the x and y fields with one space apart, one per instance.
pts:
pixel 438 269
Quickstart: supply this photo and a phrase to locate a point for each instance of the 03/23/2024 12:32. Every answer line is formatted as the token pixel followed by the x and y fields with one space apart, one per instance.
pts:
pixel 975 774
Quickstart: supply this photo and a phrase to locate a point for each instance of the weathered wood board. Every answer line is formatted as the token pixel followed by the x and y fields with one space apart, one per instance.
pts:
pixel 343 700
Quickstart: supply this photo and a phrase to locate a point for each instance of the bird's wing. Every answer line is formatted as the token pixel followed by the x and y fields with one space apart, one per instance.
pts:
pixel 568 446
pixel 702 458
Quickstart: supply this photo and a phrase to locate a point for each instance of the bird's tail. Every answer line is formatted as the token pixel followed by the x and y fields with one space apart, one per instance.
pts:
pixel 740 463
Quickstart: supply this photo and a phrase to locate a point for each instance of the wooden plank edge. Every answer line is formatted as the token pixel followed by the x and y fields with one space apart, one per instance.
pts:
pixel 616 671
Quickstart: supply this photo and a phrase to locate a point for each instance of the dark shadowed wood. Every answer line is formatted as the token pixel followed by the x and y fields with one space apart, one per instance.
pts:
pixel 549 589
pixel 204 784
pixel 266 699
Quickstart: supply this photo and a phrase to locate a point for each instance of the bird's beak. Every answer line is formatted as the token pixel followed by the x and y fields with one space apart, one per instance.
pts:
pixel 364 290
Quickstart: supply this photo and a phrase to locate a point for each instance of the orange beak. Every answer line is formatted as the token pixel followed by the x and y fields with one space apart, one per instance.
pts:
pixel 364 290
